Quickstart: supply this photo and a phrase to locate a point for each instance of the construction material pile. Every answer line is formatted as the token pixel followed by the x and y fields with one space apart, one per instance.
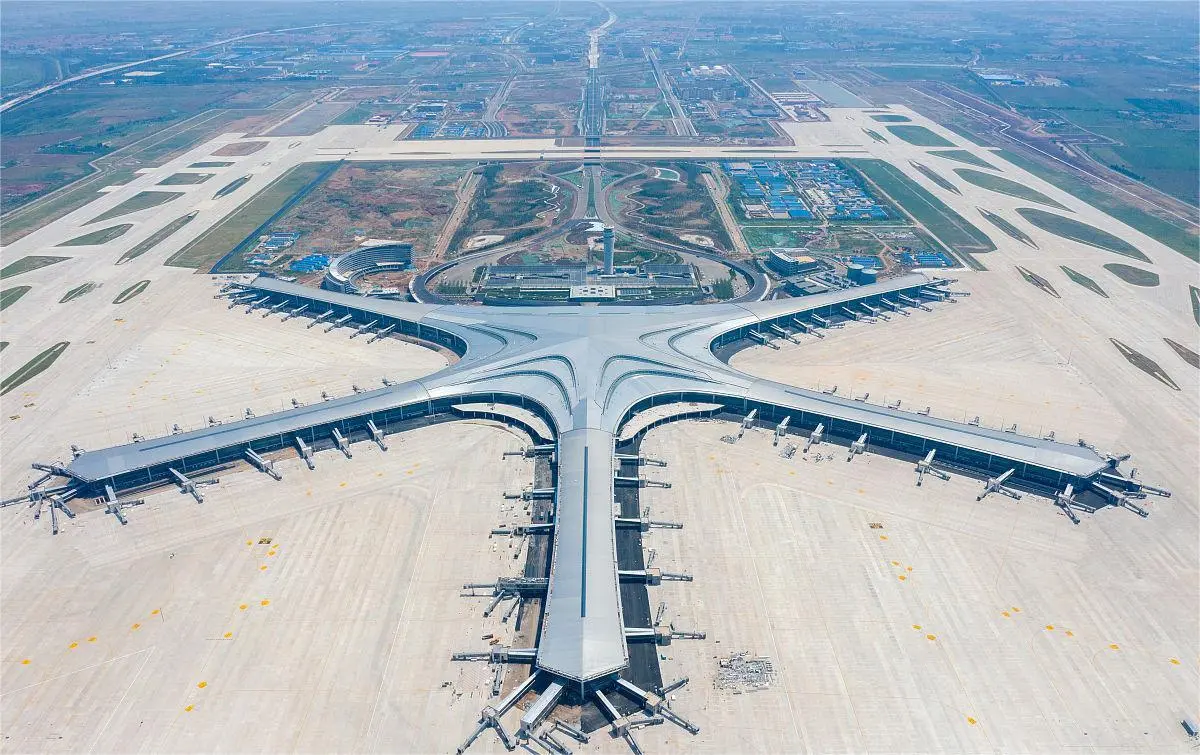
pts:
pixel 741 673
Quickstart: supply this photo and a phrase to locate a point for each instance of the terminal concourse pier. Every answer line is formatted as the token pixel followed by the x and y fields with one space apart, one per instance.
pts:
pixel 573 378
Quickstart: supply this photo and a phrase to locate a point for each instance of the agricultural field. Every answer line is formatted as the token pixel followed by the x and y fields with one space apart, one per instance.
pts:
pixel 1138 120
pixel 671 210
pixel 405 203
pixel 24 72
pixel 55 140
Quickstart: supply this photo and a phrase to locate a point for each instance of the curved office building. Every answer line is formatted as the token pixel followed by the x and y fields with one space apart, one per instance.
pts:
pixel 346 270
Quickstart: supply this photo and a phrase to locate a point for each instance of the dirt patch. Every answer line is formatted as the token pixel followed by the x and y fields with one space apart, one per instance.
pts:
pixel 697 239
pixel 483 240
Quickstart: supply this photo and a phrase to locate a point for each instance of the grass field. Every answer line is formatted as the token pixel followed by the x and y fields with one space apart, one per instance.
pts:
pixel 34 215
pixel 963 156
pixel 1084 281
pixel 26 264
pixel 21 72
pixel 185 179
pixel 891 118
pixel 239 149
pixel 937 178
pixel 875 135
pixel 1137 104
pixel 1081 232
pixel 224 237
pixel 1007 227
pixel 919 136
pixel 210 164
pixel 102 236
pixel 1133 275
pixel 131 292
pixel 945 224
pixel 1005 186
pixel 143 200
pixel 1172 233
pixel 954 75
pixel 94 137
pixel 231 187
pixel 9 296
pixel 33 367
pixel 155 238
pixel 78 291
pixel 763 237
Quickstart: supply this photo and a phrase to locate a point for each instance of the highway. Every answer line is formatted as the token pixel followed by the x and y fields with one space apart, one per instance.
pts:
pixel 719 190
pixel 22 99
pixel 683 124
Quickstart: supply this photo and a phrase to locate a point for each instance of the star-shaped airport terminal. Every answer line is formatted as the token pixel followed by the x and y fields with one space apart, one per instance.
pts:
pixel 581 381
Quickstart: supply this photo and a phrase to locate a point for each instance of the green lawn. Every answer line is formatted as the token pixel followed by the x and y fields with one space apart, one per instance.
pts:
pixel 33 367
pixel 29 217
pixel 131 292
pixel 1084 281
pixel 185 179
pixel 1081 232
pixel 231 187
pixel 963 156
pixel 78 291
pixel 1133 275
pixel 950 228
pixel 1007 227
pixel 9 296
pixel 155 238
pixel 955 75
pixel 920 136
pixel 875 135
pixel 227 235
pixel 102 236
pixel 891 118
pixel 937 178
pixel 1005 186
pixel 764 237
pixel 210 164
pixel 1172 233
pixel 143 200
pixel 26 264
